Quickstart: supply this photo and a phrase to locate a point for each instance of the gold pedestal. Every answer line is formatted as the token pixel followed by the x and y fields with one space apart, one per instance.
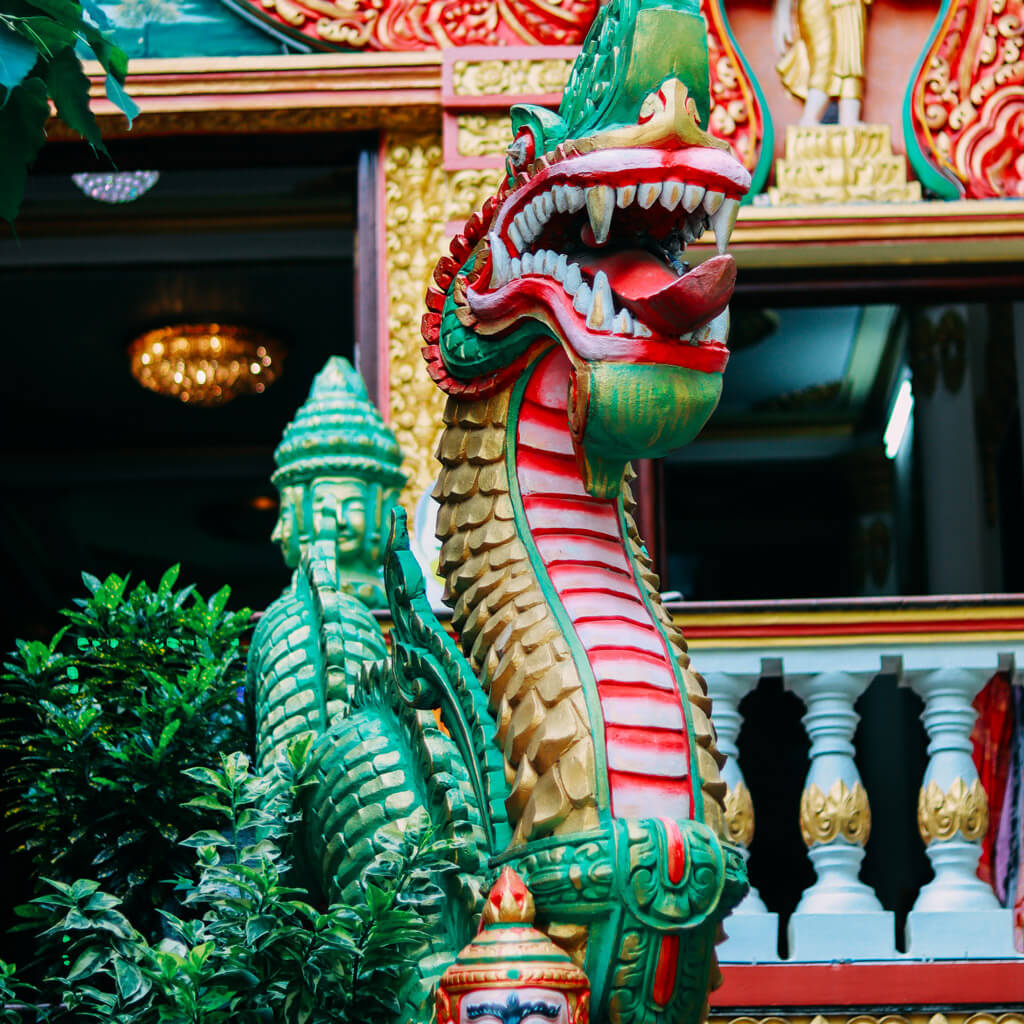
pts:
pixel 839 164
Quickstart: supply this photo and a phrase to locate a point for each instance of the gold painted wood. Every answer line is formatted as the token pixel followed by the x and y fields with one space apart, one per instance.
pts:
pixel 521 76
pixel 961 808
pixel 842 812
pixel 837 164
pixel 415 191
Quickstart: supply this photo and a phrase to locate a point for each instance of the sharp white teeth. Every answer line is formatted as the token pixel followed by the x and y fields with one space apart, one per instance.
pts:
pixel 532 222
pixel 646 194
pixel 600 207
pixel 583 300
pixel 573 278
pixel 517 268
pixel 500 264
pixel 602 309
pixel 516 237
pixel 641 330
pixel 712 201
pixel 623 323
pixel 547 205
pixel 723 221
pixel 624 196
pixel 561 199
pixel 718 329
pixel 575 198
pixel 561 266
pixel 671 193
pixel 692 197
pixel 550 262
pixel 527 262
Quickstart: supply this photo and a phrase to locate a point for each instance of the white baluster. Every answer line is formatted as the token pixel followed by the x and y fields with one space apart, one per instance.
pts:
pixel 838 917
pixel 753 931
pixel 956 914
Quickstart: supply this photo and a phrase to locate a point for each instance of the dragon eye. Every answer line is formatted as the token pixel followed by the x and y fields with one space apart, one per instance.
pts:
pixel 522 150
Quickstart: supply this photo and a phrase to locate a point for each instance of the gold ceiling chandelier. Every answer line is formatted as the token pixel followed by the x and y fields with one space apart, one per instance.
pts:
pixel 206 364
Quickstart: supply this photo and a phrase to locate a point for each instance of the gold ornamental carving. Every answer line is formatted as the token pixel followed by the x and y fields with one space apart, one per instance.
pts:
pixel 468 189
pixel 421 199
pixel 510 77
pixel 961 808
pixel 739 814
pixel 415 197
pixel 842 812
pixel 483 134
pixel 841 164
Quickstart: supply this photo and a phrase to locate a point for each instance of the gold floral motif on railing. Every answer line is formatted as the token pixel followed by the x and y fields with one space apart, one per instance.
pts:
pixel 739 814
pixel 842 812
pixel 961 808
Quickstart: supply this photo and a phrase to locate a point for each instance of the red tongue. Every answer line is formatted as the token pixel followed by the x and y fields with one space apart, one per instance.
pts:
pixel 647 287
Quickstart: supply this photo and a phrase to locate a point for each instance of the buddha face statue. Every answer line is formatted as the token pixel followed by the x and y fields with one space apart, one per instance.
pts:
pixel 514 1006
pixel 341 507
pixel 288 529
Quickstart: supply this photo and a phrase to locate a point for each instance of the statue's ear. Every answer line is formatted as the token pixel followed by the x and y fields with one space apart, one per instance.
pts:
pixel 536 131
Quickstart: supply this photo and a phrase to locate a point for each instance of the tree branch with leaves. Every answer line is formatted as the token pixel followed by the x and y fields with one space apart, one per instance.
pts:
pixel 39 63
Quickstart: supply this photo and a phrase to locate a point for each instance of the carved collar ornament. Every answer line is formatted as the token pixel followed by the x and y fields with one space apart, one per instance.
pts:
pixel 573 742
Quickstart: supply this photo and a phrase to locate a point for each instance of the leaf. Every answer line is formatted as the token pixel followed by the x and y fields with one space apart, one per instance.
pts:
pixel 129 978
pixel 88 963
pixel 121 99
pixel 92 583
pixel 17 57
pixel 45 34
pixel 69 89
pixel 23 129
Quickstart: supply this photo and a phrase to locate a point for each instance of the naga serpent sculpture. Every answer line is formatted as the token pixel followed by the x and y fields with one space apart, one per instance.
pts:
pixel 574 741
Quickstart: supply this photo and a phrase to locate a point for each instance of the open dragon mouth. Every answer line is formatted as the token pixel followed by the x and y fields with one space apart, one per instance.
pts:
pixel 595 244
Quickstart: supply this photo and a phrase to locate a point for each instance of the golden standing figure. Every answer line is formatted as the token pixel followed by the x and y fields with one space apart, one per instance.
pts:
pixel 824 59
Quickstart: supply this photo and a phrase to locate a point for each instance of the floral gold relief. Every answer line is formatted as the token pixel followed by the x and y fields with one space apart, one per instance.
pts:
pixel 842 812
pixel 415 194
pixel 509 77
pixel 739 814
pixel 483 134
pixel 961 808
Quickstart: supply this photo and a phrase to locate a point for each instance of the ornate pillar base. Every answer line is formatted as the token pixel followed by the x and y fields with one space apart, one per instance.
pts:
pixel 753 936
pixel 961 934
pixel 839 917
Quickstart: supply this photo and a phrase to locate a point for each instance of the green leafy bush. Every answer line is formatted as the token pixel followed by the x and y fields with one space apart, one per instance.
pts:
pixel 38 61
pixel 100 724
pixel 257 952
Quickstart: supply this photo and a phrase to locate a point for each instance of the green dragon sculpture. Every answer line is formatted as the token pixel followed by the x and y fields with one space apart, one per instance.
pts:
pixel 573 741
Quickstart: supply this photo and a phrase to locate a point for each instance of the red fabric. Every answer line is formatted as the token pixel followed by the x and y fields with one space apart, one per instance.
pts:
pixel 991 738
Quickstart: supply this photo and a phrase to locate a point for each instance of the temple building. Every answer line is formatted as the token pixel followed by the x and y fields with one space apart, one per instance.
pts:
pixel 841 546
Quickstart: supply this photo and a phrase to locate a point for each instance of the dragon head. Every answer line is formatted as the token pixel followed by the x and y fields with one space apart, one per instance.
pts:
pixel 585 245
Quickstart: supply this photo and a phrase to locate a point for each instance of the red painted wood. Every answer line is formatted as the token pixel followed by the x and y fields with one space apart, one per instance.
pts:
pixel 665 972
pixel 943 984
pixel 876 627
pixel 676 852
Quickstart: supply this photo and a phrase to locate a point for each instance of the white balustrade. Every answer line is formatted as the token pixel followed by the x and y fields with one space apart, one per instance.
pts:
pixel 956 915
pixel 753 931
pixel 838 917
